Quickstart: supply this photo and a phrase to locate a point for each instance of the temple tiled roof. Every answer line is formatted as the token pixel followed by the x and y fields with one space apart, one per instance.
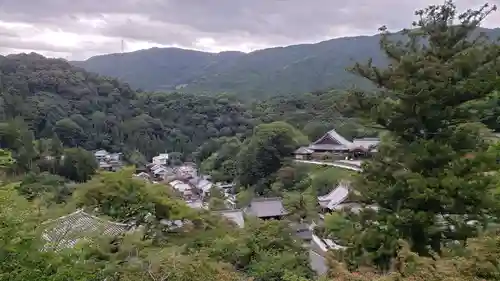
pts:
pixel 66 231
pixel 267 207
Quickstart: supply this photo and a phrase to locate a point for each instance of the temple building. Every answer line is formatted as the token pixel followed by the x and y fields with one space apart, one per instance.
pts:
pixel 335 144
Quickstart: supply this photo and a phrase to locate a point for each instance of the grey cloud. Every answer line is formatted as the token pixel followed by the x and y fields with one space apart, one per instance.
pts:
pixel 16 43
pixel 158 32
pixel 268 16
pixel 229 22
pixel 270 22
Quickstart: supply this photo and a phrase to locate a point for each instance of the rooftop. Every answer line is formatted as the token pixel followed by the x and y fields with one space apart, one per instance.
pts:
pixel 235 216
pixel 318 262
pixel 267 207
pixel 332 134
pixel 66 231
pixel 161 156
pixel 302 230
pixel 335 197
pixel 180 186
pixel 195 204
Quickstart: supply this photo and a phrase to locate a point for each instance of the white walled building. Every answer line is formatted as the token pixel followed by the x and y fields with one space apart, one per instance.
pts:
pixel 161 159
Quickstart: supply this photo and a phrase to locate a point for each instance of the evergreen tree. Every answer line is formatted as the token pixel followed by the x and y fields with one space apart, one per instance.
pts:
pixel 422 179
pixel 56 147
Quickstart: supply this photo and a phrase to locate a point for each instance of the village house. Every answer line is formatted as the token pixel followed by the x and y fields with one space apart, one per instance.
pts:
pixel 143 176
pixel 108 161
pixel 158 171
pixel 161 159
pixel 186 172
pixel 182 188
pixel 201 184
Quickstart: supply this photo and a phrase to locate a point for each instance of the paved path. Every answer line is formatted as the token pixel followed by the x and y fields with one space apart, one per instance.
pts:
pixel 338 165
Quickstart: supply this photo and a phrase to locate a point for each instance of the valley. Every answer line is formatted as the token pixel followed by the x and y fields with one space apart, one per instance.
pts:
pixel 172 164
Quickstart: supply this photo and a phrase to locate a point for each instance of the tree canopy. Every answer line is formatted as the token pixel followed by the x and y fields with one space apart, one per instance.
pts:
pixel 430 192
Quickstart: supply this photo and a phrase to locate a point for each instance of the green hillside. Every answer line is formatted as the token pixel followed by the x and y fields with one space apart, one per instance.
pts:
pixel 268 72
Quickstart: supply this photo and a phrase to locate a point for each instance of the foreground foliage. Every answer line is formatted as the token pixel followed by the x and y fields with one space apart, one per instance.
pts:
pixel 205 247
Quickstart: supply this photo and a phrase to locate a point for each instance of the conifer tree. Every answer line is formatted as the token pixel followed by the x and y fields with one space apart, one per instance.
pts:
pixel 428 177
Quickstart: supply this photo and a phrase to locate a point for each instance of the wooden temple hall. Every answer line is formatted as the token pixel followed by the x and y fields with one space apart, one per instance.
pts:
pixel 332 143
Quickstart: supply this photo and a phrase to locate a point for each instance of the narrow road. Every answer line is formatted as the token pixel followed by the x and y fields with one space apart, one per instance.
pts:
pixel 338 165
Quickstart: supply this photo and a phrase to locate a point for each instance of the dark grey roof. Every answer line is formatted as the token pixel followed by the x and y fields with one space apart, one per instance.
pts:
pixel 331 147
pixel 267 207
pixel 317 262
pixel 335 197
pixel 335 136
pixel 305 234
pixel 302 230
pixel 66 231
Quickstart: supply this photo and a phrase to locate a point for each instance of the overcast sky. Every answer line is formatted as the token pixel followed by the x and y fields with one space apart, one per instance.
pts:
pixel 78 29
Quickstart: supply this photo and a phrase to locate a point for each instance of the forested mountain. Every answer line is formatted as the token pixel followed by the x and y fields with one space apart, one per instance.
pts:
pixel 95 112
pixel 275 71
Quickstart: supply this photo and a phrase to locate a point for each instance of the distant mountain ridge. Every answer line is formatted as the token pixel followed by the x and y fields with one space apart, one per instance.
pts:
pixel 268 72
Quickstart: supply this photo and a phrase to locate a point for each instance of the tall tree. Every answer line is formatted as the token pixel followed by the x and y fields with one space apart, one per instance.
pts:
pixel 126 199
pixel 301 206
pixel 56 147
pixel 420 178
pixel 78 165
pixel 264 153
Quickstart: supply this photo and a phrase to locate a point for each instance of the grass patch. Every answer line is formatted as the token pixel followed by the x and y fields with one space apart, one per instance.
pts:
pixel 323 178
pixel 315 170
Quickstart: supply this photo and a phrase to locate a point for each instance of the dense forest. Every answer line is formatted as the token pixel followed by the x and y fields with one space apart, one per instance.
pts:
pixel 95 112
pixel 433 182
pixel 264 73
